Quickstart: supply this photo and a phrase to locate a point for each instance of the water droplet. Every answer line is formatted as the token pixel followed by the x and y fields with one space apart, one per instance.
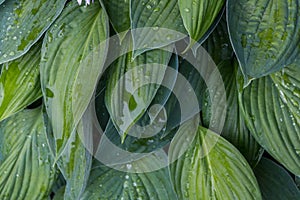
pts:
pixel 148 6
pixel 157 9
pixel 15 38
pixel 126 177
pixel 187 10
pixel 12 53
pixel 155 28
pixel 129 166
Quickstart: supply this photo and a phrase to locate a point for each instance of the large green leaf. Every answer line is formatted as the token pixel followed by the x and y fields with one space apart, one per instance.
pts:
pixel 271 108
pixel 206 166
pixel 74 47
pixel 107 183
pixel 75 164
pixel 20 82
pixel 119 16
pixel 26 165
pixel 275 182
pixel 22 23
pixel 265 34
pixel 234 130
pixel 198 16
pixel 132 84
pixel 155 24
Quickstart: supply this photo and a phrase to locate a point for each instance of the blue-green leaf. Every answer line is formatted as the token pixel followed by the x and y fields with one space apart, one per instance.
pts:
pixel 26 165
pixel 23 22
pixel 74 47
pixel 265 34
pixel 275 182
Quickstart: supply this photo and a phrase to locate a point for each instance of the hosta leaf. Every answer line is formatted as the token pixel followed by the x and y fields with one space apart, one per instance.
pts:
pixel 198 16
pixel 119 16
pixel 155 23
pixel 26 166
pixel 271 108
pixel 297 180
pixel 20 82
pixel 107 183
pixel 73 48
pixel 148 134
pixel 235 129
pixel 210 168
pixel 218 44
pixel 132 85
pixel 275 182
pixel 265 34
pixel 75 163
pixel 22 23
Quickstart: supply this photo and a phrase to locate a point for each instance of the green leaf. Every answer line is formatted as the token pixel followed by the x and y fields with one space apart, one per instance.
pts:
pixel 1 1
pixel 275 182
pixel 119 16
pixel 297 180
pixel 265 34
pixel 155 24
pixel 271 108
pixel 20 82
pixel 235 129
pixel 198 16
pixel 206 166
pixel 23 22
pixel 74 47
pixel 218 43
pixel 108 183
pixel 132 85
pixel 75 163
pixel 26 166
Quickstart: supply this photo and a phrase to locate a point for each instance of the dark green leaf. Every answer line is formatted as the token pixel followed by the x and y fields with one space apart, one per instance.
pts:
pixel 107 183
pixel 20 82
pixel 275 182
pixel 272 113
pixel 132 85
pixel 265 34
pixel 155 23
pixel 26 166
pixel 119 16
pixel 234 130
pixel 198 16
pixel 74 47
pixel 206 166
pixel 22 23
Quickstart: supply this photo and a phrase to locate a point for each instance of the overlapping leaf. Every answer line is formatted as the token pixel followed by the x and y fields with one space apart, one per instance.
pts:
pixel 274 181
pixel 210 168
pixel 20 82
pixel 234 130
pixel 107 183
pixel 74 47
pixel 198 16
pixel 155 23
pixel 119 15
pixel 265 34
pixel 132 85
pixel 26 166
pixel 22 23
pixel 271 108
